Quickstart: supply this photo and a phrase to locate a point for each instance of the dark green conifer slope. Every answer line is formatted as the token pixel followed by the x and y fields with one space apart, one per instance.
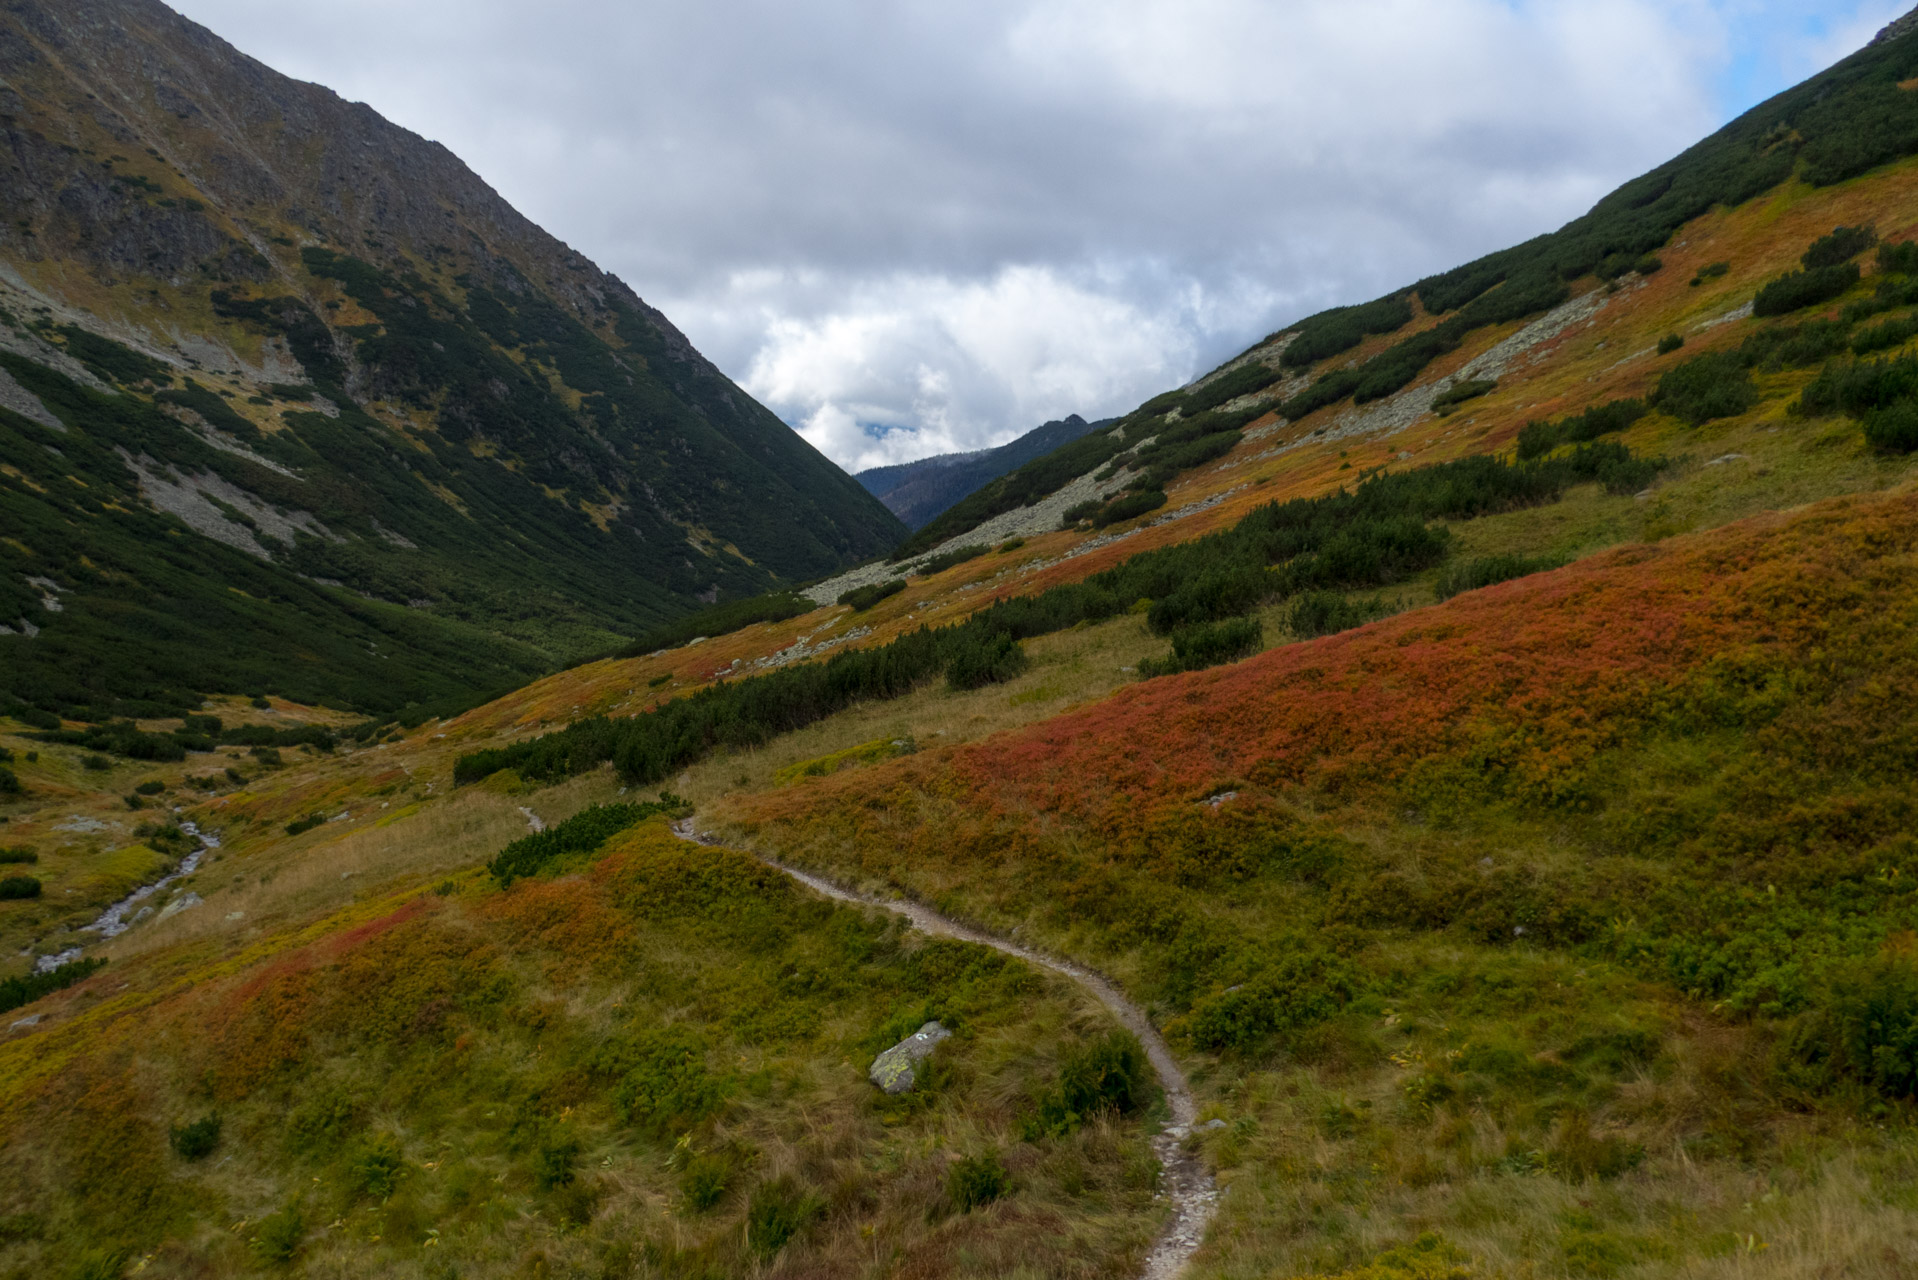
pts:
pixel 416 448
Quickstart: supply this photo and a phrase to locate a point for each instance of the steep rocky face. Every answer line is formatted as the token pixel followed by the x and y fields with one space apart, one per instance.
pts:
pixel 320 340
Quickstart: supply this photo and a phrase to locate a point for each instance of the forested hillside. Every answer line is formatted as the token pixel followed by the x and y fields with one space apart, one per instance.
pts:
pixel 293 389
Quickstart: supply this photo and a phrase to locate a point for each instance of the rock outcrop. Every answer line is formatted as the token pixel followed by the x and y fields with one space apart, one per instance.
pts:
pixel 895 1070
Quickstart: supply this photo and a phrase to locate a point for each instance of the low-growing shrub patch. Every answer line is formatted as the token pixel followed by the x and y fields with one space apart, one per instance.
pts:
pixel 1207 645
pixel 1797 290
pixel 976 1181
pixel 779 1211
pixel 16 888
pixel 27 988
pixel 1715 271
pixel 196 1140
pixel 300 826
pixel 720 620
pixel 1107 1075
pixel 1705 388
pixel 1893 429
pixel 1487 571
pixel 864 598
pixel 1838 248
pixel 1448 403
pixel 950 559
pixel 1883 337
pixel 18 855
pixel 1537 439
pixel 1670 343
pixel 581 834
pixel 1324 613
pixel 704 1180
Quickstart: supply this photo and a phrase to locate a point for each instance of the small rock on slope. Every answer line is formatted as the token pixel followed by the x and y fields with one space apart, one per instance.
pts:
pixel 892 1070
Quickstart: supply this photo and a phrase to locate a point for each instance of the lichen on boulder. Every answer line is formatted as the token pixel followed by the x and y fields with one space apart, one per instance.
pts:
pixel 894 1070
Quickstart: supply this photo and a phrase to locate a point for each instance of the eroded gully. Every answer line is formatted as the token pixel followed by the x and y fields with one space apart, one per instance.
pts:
pixel 1183 1180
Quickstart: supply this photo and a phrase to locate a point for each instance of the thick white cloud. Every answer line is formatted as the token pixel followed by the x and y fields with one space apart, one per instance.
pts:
pixel 912 227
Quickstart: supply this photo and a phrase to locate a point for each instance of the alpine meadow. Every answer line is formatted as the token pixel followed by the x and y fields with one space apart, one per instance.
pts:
pixel 481 796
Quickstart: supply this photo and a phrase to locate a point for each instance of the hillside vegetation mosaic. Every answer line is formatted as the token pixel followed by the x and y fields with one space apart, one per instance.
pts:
pixel 1471 732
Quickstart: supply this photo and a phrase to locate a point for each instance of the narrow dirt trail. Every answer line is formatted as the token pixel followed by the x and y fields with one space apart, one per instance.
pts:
pixel 1184 1181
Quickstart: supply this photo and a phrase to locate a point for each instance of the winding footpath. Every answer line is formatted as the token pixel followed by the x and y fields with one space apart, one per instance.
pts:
pixel 1184 1181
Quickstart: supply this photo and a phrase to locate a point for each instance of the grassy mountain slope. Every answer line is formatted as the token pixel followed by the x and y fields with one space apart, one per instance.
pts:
pixel 321 340
pixel 918 491
pixel 1836 126
pixel 1533 901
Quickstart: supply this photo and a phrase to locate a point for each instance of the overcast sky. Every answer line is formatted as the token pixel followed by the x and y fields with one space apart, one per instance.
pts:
pixel 914 227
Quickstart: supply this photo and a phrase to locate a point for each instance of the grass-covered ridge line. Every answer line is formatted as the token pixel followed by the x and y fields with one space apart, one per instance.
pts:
pixel 1372 536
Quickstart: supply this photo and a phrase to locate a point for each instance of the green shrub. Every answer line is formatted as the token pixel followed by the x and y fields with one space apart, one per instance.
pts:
pixel 1670 343
pixel 1856 387
pixel 977 1181
pixel 1706 387
pixel 15 888
pixel 1242 381
pixel 657 681
pixel 1893 429
pixel 1797 290
pixel 556 1164
pixel 1838 248
pixel 949 559
pixel 1207 645
pixel 778 1211
pixel 720 620
pixel 97 1264
pixel 376 1168
pixel 10 784
pixel 1299 990
pixel 1898 259
pixel 1108 1075
pixel 1537 439
pixel 1335 332
pixel 278 1236
pixel 1128 506
pixel 97 764
pixel 152 787
pixel 1011 545
pixel 703 1182
pixel 1324 613
pixel 984 660
pixel 23 990
pixel 583 833
pixel 1715 271
pixel 864 598
pixel 197 1140
pixel 665 1086
pixel 1883 337
pixel 18 855
pixel 300 826
pixel 1488 571
pixel 1448 404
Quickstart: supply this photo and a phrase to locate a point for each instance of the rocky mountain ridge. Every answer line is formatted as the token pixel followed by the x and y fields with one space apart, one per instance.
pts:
pixel 316 338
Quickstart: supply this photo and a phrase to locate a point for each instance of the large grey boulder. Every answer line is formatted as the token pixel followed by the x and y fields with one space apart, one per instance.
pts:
pixel 892 1070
